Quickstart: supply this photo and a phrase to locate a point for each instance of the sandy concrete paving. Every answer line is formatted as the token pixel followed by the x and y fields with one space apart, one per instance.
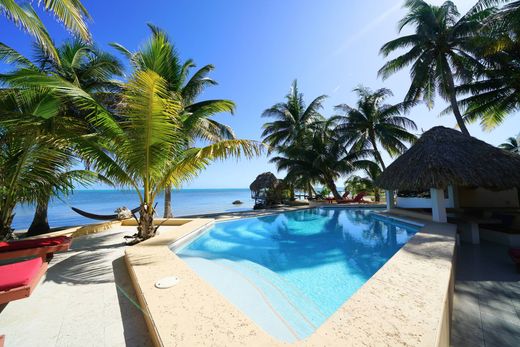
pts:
pixel 85 299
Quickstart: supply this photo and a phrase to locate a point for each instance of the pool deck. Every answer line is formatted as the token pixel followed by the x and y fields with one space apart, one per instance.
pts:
pixel 486 308
pixel 405 303
pixel 86 299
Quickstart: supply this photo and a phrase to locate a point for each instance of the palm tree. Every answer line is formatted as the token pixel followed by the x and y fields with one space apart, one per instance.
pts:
pixel 24 163
pixel 159 55
pixel 293 119
pixel 143 146
pixel 372 122
pixel 323 159
pixel 357 184
pixel 70 12
pixel 511 145
pixel 494 90
pixel 79 63
pixel 439 51
pixel 32 159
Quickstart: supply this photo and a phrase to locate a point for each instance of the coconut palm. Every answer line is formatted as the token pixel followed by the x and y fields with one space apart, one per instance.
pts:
pixel 79 63
pixel 372 123
pixel 24 172
pixel 70 12
pixel 494 90
pixel 439 52
pixel 144 146
pixel 323 159
pixel 511 145
pixel 159 55
pixel 357 184
pixel 34 160
pixel 293 119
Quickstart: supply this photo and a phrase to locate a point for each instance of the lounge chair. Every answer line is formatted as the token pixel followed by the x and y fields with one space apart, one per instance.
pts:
pixel 18 280
pixel 44 248
pixel 357 199
pixel 514 253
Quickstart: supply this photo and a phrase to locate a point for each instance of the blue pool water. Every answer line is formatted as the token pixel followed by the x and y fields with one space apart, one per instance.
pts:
pixel 290 271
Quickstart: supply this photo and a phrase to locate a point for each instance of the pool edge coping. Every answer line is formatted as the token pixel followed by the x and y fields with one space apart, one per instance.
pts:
pixel 159 248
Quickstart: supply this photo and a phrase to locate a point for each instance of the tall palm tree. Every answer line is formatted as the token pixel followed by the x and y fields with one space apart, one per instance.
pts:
pixel 324 158
pixel 24 163
pixel 372 122
pixel 32 159
pixel 511 145
pixel 439 52
pixel 159 55
pixel 293 119
pixel 495 89
pixel 70 12
pixel 79 63
pixel 143 146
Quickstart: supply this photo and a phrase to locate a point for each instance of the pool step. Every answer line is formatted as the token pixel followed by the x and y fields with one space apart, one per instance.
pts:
pixel 272 302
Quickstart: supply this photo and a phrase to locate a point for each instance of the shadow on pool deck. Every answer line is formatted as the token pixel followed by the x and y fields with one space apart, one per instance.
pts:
pixel 487 297
pixel 86 299
pixel 134 325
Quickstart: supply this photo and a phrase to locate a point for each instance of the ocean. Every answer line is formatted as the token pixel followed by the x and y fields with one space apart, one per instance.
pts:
pixel 184 202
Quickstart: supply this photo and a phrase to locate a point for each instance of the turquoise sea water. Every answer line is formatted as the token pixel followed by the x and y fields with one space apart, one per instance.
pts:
pixel 289 272
pixel 185 202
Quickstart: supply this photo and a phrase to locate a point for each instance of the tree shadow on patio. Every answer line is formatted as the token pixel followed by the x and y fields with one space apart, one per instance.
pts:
pixel 135 330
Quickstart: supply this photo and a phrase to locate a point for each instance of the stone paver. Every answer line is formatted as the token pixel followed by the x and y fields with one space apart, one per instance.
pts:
pixel 486 309
pixel 85 299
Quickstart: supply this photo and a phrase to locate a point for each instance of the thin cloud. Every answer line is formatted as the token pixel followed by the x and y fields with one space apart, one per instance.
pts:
pixel 366 29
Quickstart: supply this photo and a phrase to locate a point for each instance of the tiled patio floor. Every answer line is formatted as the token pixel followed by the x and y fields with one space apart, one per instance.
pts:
pixel 487 298
pixel 85 299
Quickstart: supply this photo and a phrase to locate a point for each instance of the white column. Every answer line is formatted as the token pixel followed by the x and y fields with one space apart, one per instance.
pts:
pixel 390 202
pixel 438 206
pixel 453 196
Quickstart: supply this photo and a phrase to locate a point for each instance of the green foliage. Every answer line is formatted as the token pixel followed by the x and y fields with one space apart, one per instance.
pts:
pixel 512 145
pixel 324 191
pixel 159 55
pixel 292 119
pixel 438 52
pixel 31 104
pixel 70 12
pixel 372 123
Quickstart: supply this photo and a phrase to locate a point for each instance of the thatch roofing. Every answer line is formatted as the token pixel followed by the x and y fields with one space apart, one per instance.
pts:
pixel 444 156
pixel 265 180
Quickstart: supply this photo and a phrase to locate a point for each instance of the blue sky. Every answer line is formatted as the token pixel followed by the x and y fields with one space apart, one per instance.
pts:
pixel 258 48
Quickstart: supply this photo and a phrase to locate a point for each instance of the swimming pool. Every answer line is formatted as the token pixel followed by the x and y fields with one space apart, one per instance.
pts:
pixel 290 271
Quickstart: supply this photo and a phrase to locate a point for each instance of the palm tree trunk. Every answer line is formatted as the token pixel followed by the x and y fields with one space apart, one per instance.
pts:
pixel 377 154
pixel 145 229
pixel 450 84
pixel 5 224
pixel 40 222
pixel 168 213
pixel 333 189
pixel 377 195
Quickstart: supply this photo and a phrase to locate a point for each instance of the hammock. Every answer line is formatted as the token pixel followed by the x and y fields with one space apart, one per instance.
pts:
pixel 99 216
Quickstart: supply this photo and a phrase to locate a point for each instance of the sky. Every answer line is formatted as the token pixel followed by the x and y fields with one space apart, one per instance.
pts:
pixel 258 49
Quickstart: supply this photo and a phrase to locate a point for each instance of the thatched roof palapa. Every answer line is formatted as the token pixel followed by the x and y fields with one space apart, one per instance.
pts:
pixel 444 156
pixel 266 180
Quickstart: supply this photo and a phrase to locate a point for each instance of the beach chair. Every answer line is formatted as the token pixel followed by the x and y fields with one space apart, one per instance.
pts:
pixel 44 247
pixel 357 199
pixel 18 280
